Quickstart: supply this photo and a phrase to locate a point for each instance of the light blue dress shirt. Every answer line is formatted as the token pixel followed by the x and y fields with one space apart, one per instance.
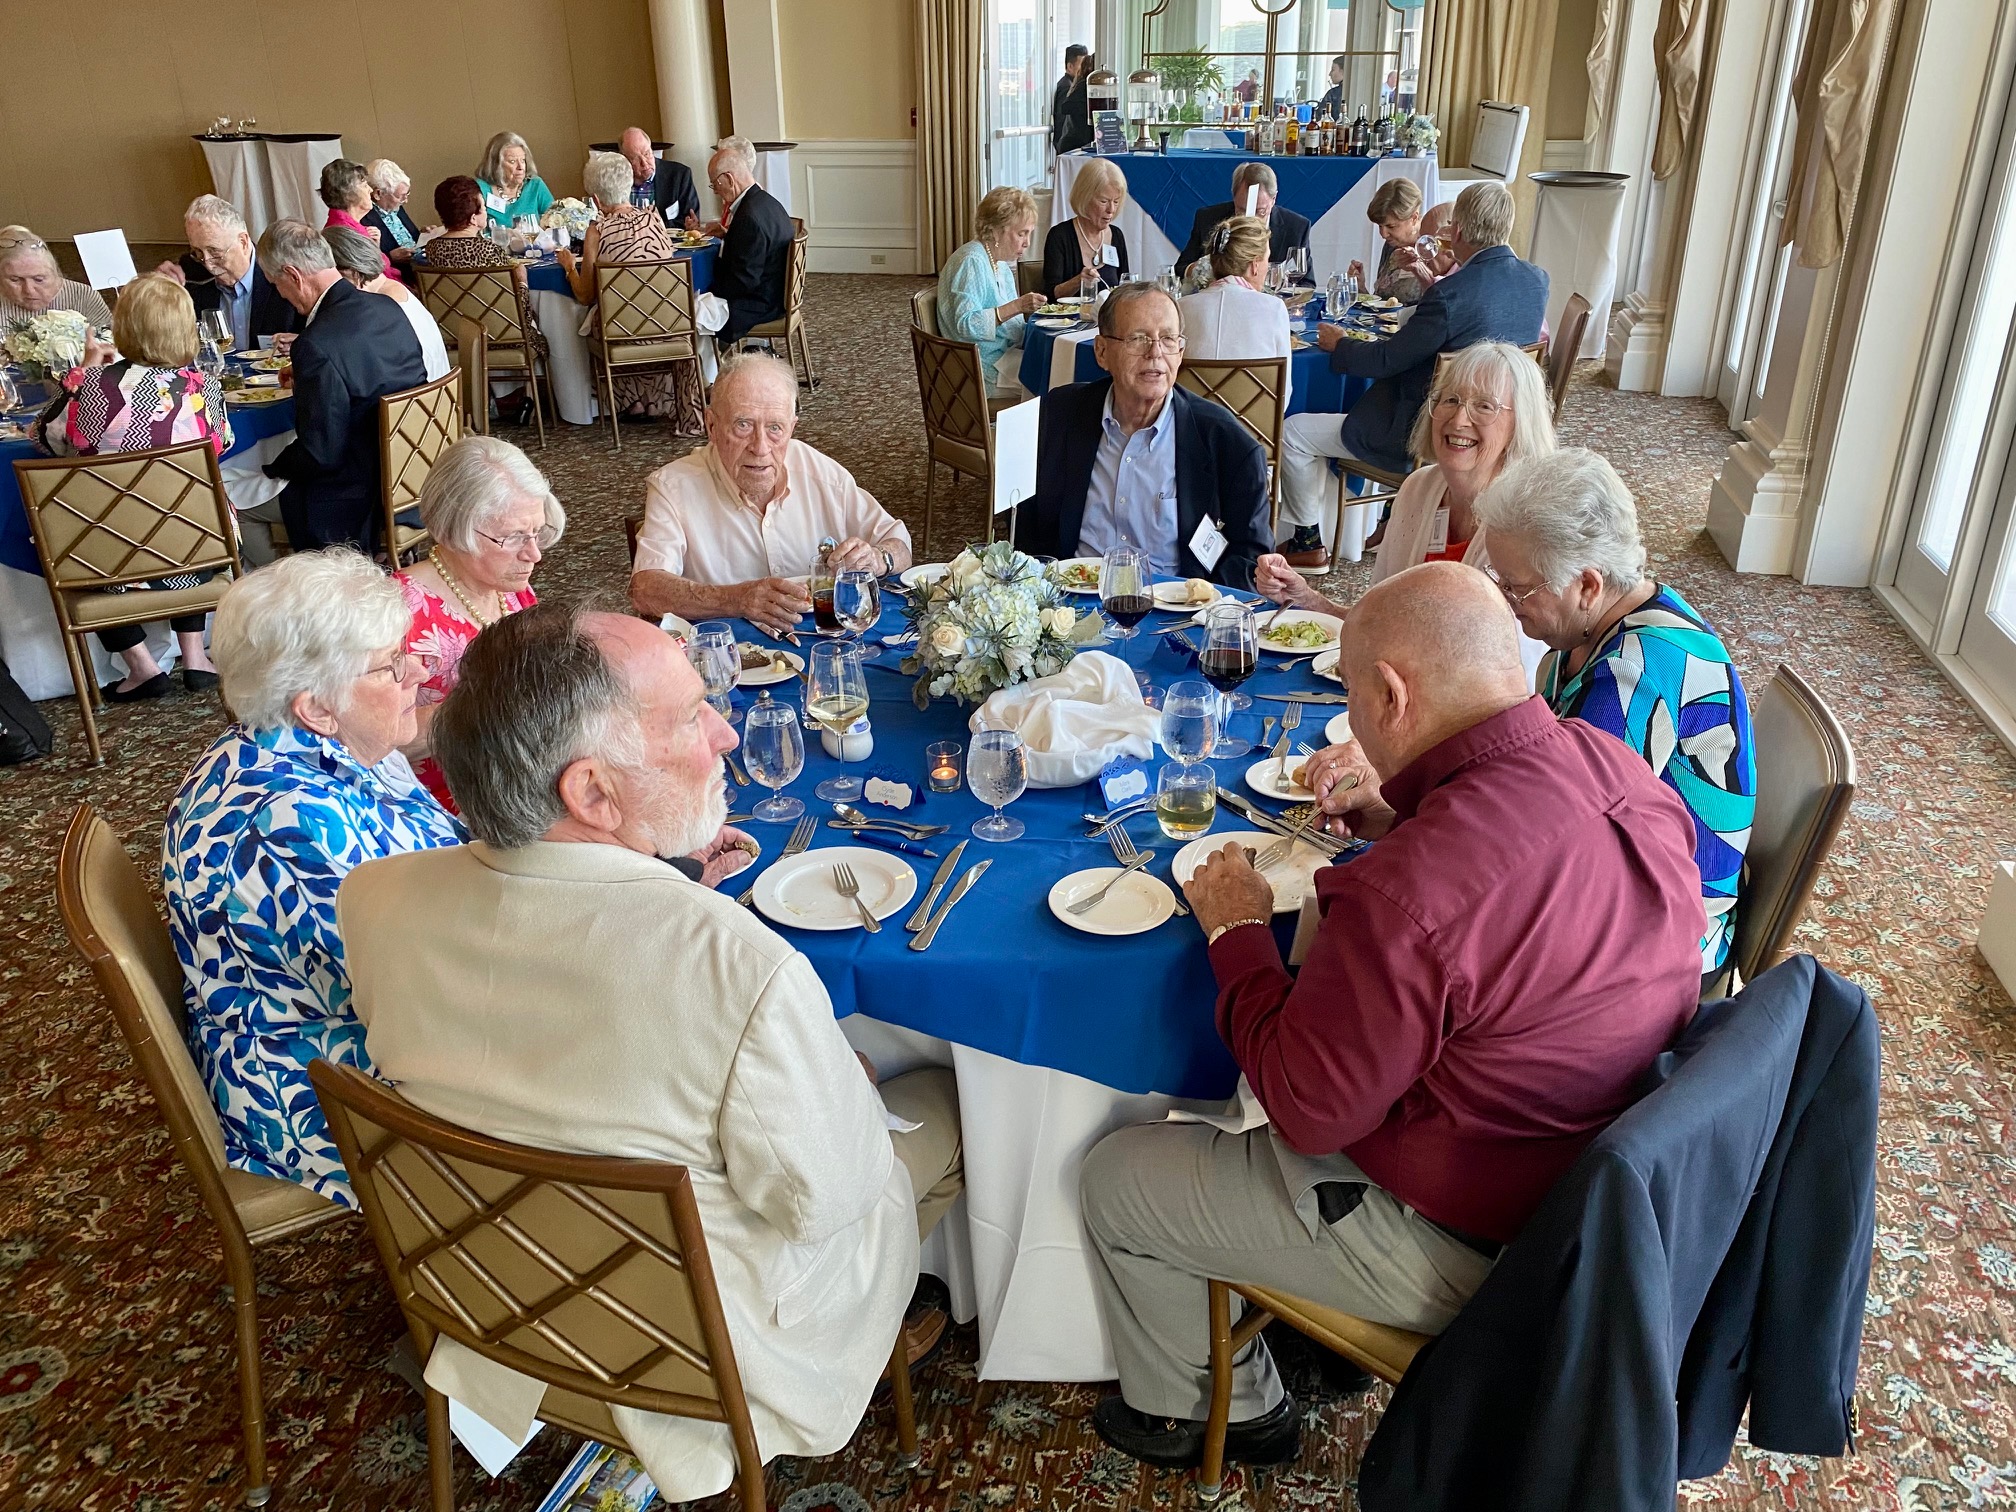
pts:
pixel 237 301
pixel 1133 490
pixel 971 287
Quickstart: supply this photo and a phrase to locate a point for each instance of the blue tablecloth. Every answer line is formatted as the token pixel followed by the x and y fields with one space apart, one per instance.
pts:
pixel 1005 975
pixel 250 424
pixel 1173 187
pixel 1312 385
pixel 546 276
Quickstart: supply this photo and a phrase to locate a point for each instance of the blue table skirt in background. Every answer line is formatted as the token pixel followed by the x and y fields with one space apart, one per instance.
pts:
pixel 1312 386
pixel 1172 187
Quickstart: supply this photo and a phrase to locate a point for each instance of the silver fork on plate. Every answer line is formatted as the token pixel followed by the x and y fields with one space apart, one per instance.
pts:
pixel 1291 719
pixel 843 878
pixel 1125 850
pixel 801 836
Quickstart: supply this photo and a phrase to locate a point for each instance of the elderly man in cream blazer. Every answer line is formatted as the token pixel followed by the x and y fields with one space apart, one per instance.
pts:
pixel 560 985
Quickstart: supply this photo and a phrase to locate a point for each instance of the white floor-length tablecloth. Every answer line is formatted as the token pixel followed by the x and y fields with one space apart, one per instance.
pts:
pixel 1575 223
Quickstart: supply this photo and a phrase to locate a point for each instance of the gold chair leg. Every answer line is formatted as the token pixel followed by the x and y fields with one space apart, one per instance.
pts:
pixel 440 1452
pixel 87 694
pixel 930 499
pixel 615 425
pixel 1211 1473
pixel 811 373
pixel 906 1404
pixel 532 383
pixel 251 1391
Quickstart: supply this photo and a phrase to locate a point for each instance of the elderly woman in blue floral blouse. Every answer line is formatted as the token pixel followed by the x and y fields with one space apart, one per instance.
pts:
pixel 306 785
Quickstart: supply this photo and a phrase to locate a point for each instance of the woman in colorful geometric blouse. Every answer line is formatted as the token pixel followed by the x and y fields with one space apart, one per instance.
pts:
pixel 1629 655
pixel 306 785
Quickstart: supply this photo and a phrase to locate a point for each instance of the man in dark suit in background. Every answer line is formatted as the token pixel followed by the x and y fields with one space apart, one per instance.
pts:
pixel 353 349
pixel 1286 229
pixel 1141 460
pixel 663 185
pixel 1492 296
pixel 1070 108
pixel 756 233
pixel 219 270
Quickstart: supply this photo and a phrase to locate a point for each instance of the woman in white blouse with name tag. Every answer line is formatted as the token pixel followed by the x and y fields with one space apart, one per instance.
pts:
pixel 1235 319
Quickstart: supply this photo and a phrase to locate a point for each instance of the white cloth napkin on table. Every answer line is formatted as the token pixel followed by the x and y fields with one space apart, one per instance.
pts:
pixel 1075 721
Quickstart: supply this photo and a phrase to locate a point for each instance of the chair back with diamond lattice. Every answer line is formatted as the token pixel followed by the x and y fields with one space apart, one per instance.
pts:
pixel 126 517
pixel 414 428
pixel 586 1272
pixel 488 296
pixel 646 310
pixel 954 393
pixel 1255 391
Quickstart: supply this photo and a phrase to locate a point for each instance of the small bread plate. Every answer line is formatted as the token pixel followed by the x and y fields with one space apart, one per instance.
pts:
pixel 1293 876
pixel 1055 322
pixel 270 363
pixel 1324 664
pixel 1339 729
pixel 1271 779
pixel 257 396
pixel 1137 904
pixel 923 574
pixel 1280 634
pixel 1183 596
pixel 802 891
pixel 1080 575
pixel 780 666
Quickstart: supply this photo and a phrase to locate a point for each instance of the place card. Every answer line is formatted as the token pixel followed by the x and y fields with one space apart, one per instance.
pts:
pixel 1124 779
pixel 890 790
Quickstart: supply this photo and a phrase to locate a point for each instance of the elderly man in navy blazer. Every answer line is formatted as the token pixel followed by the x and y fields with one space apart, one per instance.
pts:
pixel 1492 296
pixel 1286 231
pixel 663 186
pixel 1136 458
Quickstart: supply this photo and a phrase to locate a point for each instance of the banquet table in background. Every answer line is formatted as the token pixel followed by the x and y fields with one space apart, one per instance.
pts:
pixel 1166 190
pixel 1056 1037
pixel 272 176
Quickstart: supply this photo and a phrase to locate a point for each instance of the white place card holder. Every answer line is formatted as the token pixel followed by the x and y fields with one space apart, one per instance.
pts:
pixel 1015 454
pixel 108 261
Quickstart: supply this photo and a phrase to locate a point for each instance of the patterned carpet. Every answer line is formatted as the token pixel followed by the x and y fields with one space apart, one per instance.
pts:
pixel 117 1387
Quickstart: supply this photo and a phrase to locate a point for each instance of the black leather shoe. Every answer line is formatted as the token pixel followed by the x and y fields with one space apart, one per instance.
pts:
pixel 1273 1438
pixel 199 682
pixel 155 687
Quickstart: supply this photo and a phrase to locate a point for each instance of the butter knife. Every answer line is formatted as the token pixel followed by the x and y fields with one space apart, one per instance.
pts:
pixel 939 878
pixel 959 890
pixel 1304 698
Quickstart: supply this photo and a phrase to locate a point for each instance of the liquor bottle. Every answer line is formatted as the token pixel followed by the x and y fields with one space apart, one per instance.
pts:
pixel 1361 131
pixel 1330 132
pixel 1292 142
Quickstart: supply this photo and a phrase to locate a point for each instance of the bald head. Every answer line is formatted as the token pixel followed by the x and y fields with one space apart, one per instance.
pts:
pixel 635 145
pixel 1426 654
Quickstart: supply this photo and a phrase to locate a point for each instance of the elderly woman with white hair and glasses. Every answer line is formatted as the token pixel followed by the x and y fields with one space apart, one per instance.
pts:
pixel 1088 250
pixel 493 516
pixel 387 218
pixel 1487 411
pixel 509 179
pixel 627 233
pixel 357 259
pixel 1629 655
pixel 307 784
pixel 31 284
pixel 977 298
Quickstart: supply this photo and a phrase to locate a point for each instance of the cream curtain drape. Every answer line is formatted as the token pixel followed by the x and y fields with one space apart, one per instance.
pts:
pixel 1602 67
pixel 948 125
pixel 1490 50
pixel 1680 43
pixel 1835 93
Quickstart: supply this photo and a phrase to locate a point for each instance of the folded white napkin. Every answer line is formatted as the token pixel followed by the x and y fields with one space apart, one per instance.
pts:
pixel 1075 721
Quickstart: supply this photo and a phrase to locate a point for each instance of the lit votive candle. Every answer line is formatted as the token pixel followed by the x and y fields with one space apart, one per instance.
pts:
pixel 944 765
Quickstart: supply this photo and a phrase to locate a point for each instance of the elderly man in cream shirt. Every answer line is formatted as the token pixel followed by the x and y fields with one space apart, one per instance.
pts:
pixel 733 529
pixel 573 991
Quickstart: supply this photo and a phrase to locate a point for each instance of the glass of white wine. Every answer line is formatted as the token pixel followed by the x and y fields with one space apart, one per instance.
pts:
pixel 997 770
pixel 836 694
pixel 1186 800
pixel 773 748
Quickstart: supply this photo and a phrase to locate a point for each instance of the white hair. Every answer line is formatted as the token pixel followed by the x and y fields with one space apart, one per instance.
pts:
pixel 308 623
pixel 215 210
pixel 1572 512
pixel 1492 370
pixel 608 178
pixel 386 176
pixel 755 365
pixel 294 244
pixel 1483 214
pixel 741 152
pixel 475 481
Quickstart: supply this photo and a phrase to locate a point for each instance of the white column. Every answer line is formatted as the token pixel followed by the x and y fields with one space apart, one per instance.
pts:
pixel 689 114
pixel 755 70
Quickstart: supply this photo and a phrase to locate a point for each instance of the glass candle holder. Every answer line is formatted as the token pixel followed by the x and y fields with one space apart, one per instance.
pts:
pixel 945 766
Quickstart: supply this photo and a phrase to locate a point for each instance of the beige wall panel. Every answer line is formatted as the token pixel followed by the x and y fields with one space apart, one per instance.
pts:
pixel 615 80
pixel 847 69
pixel 425 108
pixel 1568 88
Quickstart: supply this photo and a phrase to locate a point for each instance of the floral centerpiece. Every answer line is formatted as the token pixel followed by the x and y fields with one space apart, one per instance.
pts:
pixel 48 345
pixel 573 214
pixel 1419 134
pixel 994 619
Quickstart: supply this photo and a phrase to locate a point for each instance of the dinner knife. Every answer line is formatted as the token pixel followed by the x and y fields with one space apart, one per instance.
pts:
pixel 939 878
pixel 1327 843
pixel 1305 698
pixel 959 890
pixel 892 842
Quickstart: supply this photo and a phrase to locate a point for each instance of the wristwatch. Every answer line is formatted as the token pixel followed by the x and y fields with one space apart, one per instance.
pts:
pixel 888 563
pixel 1212 938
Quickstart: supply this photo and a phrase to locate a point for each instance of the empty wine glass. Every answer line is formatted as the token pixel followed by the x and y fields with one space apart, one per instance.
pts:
pixel 1231 654
pixel 836 694
pixel 773 748
pixel 1123 588
pixel 997 770
pixel 1277 278
pixel 1190 721
pixel 1298 265
pixel 857 600
pixel 216 325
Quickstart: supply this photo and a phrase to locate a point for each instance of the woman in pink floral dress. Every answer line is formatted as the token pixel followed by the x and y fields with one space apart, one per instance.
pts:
pixel 492 515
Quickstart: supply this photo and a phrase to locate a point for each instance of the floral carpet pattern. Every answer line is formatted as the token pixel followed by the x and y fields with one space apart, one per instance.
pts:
pixel 117 1382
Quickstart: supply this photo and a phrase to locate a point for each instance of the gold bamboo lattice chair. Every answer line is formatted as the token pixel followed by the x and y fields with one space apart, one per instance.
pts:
pixel 644 319
pixel 586 1272
pixel 102 523
pixel 789 327
pixel 958 432
pixel 112 921
pixel 498 300
pixel 924 311
pixel 414 428
pixel 1255 392
pixel 1567 346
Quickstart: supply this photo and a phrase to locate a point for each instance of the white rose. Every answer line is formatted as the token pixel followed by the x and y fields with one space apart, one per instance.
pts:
pixel 1058 621
pixel 948 639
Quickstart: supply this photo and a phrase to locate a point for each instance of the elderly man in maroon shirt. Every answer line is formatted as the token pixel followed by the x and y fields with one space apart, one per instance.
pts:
pixel 1488 984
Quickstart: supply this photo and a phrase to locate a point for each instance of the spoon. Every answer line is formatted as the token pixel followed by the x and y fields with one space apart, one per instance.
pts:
pixel 851 815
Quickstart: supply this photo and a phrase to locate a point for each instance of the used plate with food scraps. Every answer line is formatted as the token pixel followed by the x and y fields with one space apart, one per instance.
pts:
pixel 1080 574
pixel 1293 877
pixel 1279 778
pixel 761 667
pixel 1297 630
pixel 1191 593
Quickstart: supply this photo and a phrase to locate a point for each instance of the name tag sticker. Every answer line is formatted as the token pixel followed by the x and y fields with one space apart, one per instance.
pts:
pixel 672 212
pixel 1108 256
pixel 1208 543
pixel 496 201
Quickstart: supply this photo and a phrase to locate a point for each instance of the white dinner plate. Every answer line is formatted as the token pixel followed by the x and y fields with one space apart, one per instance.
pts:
pixel 1324 664
pixel 256 396
pixel 1137 904
pixel 800 890
pixel 774 674
pixel 1339 729
pixel 1175 596
pixel 1269 779
pixel 1094 563
pixel 1332 626
pixel 1053 322
pixel 1293 876
pixel 922 574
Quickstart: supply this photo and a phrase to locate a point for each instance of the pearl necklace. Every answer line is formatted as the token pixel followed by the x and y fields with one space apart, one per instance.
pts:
pixel 434 556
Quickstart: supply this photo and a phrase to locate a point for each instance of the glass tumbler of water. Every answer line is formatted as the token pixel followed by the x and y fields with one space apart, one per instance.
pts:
pixel 1189 721
pixel 997 771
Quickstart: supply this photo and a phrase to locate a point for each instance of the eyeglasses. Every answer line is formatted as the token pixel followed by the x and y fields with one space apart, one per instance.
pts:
pixel 1141 343
pixel 518 540
pixel 1513 596
pixel 1485 410
pixel 400 669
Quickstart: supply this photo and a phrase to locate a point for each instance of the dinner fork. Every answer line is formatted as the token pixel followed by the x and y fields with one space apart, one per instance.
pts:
pixel 843 878
pixel 1291 718
pixel 801 836
pixel 1086 905
pixel 1125 850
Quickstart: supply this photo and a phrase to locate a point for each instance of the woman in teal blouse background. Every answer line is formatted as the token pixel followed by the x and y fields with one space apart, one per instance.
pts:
pixel 977 301
pixel 510 181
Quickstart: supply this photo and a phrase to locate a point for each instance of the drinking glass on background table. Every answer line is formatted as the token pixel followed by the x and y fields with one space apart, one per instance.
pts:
pixel 1186 800
pixel 997 770
pixel 216 325
pixel 773 748
pixel 715 657
pixel 836 694
pixel 1190 721
pixel 1298 265
pixel 1231 654
pixel 1123 589
pixel 857 600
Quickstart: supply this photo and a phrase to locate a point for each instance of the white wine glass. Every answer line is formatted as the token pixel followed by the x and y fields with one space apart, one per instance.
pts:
pixel 773 748
pixel 997 770
pixel 216 325
pixel 1190 721
pixel 836 694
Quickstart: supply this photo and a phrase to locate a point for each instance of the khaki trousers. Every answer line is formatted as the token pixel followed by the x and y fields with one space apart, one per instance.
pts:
pixel 933 1154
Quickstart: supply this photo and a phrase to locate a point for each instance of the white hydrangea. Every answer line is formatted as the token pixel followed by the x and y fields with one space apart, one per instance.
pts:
pixel 47 345
pixel 994 619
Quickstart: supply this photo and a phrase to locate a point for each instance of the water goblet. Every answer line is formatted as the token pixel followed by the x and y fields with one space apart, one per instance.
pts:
pixel 1190 721
pixel 773 748
pixel 715 657
pixel 997 771
pixel 857 600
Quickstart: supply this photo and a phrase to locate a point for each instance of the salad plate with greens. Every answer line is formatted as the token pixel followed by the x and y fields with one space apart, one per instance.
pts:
pixel 1297 632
